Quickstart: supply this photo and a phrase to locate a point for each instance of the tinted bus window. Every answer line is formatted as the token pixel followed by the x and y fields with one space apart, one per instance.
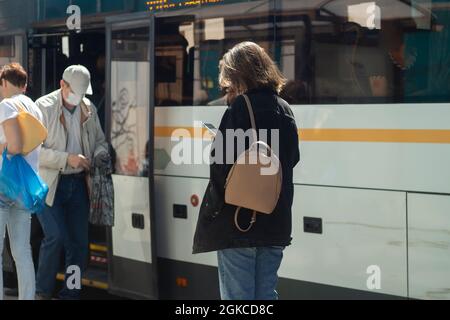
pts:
pixel 339 52
pixel 129 89
pixel 7 47
pixel 190 45
pixel 373 52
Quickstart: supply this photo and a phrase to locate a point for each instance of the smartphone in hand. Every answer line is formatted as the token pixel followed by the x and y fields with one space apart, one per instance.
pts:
pixel 212 130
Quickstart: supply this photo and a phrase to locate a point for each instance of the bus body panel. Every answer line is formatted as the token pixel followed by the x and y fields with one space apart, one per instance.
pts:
pixel 360 195
pixel 416 137
pixel 428 246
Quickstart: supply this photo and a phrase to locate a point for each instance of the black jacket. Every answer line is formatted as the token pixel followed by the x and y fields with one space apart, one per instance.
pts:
pixel 215 226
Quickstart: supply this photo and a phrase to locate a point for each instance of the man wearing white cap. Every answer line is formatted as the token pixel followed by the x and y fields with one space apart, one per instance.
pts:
pixel 74 139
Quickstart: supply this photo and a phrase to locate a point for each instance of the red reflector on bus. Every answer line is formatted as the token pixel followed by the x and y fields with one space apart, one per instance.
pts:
pixel 194 200
pixel 182 282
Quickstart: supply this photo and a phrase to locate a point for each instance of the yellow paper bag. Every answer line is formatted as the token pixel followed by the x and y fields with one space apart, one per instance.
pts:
pixel 33 131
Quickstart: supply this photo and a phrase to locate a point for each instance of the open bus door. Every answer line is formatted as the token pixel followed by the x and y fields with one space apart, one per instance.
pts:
pixel 129 128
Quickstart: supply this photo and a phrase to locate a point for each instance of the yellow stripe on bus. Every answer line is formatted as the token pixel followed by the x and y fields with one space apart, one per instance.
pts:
pixel 187 132
pixel 337 135
pixel 376 135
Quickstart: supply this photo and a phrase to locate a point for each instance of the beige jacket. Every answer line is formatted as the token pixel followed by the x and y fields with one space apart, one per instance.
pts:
pixel 53 156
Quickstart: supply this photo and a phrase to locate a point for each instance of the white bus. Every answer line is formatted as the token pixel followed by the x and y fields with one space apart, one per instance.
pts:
pixel 369 84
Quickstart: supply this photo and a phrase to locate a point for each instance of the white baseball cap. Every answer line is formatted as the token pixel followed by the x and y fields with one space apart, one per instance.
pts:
pixel 79 79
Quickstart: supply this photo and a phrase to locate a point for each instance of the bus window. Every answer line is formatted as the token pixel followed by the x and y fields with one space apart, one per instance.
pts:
pixel 10 49
pixel 130 100
pixel 7 47
pixel 345 51
pixel 172 76
pixel 190 46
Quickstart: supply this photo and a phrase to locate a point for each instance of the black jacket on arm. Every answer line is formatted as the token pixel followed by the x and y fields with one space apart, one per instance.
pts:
pixel 215 226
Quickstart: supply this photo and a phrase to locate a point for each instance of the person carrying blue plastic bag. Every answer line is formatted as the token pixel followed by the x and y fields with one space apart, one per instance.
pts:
pixel 21 184
pixel 14 213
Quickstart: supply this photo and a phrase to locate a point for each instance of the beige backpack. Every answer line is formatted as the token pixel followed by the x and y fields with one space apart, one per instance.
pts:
pixel 246 186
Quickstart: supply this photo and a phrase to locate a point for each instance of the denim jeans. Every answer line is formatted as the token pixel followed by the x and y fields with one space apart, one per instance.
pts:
pixel 18 222
pixel 249 273
pixel 65 225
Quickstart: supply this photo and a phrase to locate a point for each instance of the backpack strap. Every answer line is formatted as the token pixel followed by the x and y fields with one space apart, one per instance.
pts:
pixel 252 221
pixel 252 117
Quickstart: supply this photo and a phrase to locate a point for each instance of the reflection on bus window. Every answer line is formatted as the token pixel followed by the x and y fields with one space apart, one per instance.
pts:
pixel 130 100
pixel 338 51
pixel 194 43
pixel 373 52
pixel 7 47
pixel 10 49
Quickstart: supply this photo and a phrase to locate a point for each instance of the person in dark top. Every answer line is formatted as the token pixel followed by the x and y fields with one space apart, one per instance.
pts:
pixel 248 262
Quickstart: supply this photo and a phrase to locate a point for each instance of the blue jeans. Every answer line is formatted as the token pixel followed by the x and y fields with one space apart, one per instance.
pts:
pixel 65 225
pixel 18 222
pixel 249 273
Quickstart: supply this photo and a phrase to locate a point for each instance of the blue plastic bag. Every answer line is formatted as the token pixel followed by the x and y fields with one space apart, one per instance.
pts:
pixel 21 184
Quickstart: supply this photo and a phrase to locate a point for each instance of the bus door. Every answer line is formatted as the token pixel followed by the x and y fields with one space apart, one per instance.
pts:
pixel 129 128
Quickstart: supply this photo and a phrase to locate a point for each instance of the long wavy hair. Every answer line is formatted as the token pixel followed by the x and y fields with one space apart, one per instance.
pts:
pixel 247 66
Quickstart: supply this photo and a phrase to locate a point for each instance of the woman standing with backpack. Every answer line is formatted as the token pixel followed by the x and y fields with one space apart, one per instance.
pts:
pixel 248 260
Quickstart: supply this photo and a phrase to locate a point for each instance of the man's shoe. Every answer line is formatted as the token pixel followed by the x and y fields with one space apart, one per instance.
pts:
pixel 12 292
pixel 41 296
